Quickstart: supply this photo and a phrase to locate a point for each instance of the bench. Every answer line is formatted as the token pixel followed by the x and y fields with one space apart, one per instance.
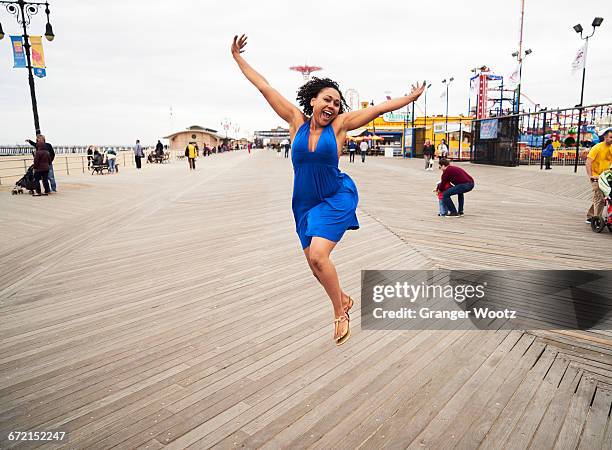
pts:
pixel 100 168
pixel 159 159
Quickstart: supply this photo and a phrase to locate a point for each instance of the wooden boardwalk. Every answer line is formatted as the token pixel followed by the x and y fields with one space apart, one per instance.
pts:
pixel 164 308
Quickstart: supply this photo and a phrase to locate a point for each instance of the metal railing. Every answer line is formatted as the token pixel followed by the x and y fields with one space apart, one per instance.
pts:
pixel 520 138
pixel 12 169
pixel 26 149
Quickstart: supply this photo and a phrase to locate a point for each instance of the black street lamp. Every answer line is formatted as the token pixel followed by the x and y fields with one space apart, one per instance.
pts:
pixel 578 29
pixel 23 12
pixel 226 124
pixel 405 127
pixel 518 88
pixel 373 124
pixel 447 83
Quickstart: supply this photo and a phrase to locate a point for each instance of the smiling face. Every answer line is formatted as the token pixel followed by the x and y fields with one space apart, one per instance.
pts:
pixel 325 106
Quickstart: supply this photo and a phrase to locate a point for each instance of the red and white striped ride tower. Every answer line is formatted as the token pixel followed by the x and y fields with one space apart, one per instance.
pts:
pixel 305 70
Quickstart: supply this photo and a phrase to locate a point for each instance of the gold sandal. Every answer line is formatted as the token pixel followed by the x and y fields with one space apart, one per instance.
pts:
pixel 342 339
pixel 350 305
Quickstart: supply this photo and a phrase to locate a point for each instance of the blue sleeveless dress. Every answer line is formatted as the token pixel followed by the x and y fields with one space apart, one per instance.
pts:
pixel 324 199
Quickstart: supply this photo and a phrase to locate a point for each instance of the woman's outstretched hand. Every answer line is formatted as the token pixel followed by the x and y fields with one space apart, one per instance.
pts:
pixel 418 90
pixel 238 45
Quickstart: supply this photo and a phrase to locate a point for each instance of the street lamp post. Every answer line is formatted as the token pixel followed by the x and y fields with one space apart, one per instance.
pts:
pixel 373 127
pixel 23 12
pixel 413 146
pixel 578 29
pixel 447 83
pixel 226 123
pixel 520 80
pixel 405 127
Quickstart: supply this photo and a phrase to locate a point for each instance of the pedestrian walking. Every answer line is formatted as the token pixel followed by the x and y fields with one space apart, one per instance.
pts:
pixel 363 149
pixel 352 148
pixel 41 141
pixel 89 156
pixel 598 160
pixel 159 151
pixel 138 154
pixel 191 152
pixel 443 150
pixel 428 154
pixel 42 162
pixel 547 153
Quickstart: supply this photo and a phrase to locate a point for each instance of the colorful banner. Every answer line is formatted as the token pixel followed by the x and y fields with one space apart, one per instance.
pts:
pixel 488 129
pixel 38 56
pixel 579 59
pixel 514 77
pixel 40 73
pixel 18 52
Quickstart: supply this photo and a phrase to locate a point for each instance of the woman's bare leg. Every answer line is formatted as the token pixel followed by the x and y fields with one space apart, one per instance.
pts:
pixel 325 272
pixel 345 296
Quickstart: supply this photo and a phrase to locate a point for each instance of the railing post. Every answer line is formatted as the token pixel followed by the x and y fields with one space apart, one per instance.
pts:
pixel 67 170
pixel 83 164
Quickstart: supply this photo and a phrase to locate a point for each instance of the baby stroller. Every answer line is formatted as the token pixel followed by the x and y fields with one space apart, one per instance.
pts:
pixel 598 223
pixel 28 181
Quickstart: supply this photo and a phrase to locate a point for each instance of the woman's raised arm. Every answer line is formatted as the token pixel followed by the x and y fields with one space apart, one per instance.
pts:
pixel 356 119
pixel 284 108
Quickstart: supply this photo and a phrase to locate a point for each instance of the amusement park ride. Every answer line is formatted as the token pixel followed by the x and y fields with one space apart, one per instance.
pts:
pixel 305 70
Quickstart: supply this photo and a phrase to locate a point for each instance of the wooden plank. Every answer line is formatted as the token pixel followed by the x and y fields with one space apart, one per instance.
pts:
pixel 523 432
pixel 549 426
pixel 569 435
pixel 594 429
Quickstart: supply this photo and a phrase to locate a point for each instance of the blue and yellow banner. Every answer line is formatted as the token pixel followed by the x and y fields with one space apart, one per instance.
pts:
pixel 18 51
pixel 38 56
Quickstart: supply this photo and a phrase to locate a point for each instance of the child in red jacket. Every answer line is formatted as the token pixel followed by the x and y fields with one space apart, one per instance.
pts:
pixel 443 210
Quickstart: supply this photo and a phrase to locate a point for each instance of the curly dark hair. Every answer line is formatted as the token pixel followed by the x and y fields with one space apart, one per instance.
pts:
pixel 312 88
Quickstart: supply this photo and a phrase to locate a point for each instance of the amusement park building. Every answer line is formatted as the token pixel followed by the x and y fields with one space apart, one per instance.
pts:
pixel 390 127
pixel 273 137
pixel 194 134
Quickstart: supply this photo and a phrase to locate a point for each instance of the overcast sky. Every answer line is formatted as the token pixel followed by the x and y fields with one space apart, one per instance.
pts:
pixel 117 67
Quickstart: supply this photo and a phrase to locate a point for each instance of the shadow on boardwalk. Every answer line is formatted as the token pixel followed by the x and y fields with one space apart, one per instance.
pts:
pixel 167 308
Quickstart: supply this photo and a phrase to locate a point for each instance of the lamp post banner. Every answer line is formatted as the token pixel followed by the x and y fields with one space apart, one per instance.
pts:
pixel 40 73
pixel 579 59
pixel 18 52
pixel 38 56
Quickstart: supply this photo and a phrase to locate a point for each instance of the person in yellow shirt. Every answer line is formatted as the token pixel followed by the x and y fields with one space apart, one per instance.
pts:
pixel 191 152
pixel 556 144
pixel 598 160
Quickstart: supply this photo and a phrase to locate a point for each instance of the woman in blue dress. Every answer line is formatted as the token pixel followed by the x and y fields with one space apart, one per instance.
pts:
pixel 324 199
